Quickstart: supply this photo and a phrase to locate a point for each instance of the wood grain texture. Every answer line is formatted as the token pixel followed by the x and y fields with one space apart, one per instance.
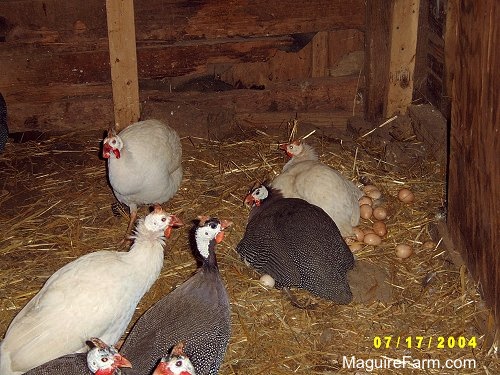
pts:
pixel 403 53
pixel 123 61
pixel 378 21
pixel 179 20
pixel 474 166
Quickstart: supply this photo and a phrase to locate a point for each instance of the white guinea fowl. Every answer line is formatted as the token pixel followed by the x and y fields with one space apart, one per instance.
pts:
pixel 144 164
pixel 305 177
pixel 93 296
pixel 177 363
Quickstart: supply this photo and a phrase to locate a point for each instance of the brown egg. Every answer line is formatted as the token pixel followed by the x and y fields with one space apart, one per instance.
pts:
pixel 403 251
pixel 379 213
pixel 429 245
pixel 372 191
pixel 365 211
pixel 358 232
pixel 365 200
pixel 355 246
pixel 379 228
pixel 406 196
pixel 372 239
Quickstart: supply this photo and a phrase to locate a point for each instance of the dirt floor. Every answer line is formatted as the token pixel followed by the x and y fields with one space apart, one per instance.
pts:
pixel 56 206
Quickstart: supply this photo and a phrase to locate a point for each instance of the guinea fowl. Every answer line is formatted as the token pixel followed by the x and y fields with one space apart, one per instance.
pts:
pixel 144 164
pixel 95 295
pixel 177 363
pixel 197 313
pixel 304 176
pixel 297 244
pixel 101 359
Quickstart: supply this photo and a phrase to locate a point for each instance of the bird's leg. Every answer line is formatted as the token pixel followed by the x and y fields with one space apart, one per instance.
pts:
pixel 127 240
pixel 296 303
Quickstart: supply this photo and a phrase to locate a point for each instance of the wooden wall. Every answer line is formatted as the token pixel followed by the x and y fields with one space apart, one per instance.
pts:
pixel 209 64
pixel 474 163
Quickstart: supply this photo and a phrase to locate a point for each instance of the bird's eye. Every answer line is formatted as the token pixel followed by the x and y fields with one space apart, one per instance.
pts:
pixel 257 192
pixel 178 363
pixel 105 359
pixel 290 147
pixel 163 219
pixel 213 225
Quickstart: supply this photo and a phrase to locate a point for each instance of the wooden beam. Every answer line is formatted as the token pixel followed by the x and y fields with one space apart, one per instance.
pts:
pixel 403 52
pixel 123 61
pixel 378 18
pixel 319 55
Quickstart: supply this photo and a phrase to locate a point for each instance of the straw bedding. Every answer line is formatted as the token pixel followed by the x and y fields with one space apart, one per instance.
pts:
pixel 56 206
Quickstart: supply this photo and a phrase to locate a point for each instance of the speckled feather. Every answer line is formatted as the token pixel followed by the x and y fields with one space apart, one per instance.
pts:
pixel 73 364
pixel 197 313
pixel 299 245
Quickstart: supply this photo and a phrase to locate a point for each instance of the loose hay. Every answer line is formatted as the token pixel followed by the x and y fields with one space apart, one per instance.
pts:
pixel 56 206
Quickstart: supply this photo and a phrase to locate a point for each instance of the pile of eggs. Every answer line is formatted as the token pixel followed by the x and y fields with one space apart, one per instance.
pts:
pixel 369 210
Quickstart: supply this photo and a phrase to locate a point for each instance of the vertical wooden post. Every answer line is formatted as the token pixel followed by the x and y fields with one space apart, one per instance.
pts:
pixel 123 61
pixel 319 63
pixel 403 53
pixel 378 26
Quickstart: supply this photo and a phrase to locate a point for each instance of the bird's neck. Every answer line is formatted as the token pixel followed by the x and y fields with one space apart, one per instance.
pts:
pixel 209 258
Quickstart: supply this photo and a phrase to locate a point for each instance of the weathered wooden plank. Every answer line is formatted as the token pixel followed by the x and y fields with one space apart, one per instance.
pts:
pixel 403 51
pixel 319 55
pixel 474 168
pixel 89 62
pixel 55 21
pixel 123 61
pixel 379 15
pixel 90 106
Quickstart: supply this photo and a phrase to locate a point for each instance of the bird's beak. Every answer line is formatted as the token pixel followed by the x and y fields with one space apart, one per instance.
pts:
pixel 174 222
pixel 283 146
pixel 250 200
pixel 161 369
pixel 224 224
pixel 121 361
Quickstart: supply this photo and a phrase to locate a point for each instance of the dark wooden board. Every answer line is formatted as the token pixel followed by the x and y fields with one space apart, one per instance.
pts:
pixel 176 20
pixel 474 165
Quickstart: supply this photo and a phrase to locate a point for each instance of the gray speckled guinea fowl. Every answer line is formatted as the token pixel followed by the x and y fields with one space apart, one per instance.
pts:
pixel 4 130
pixel 101 359
pixel 197 313
pixel 297 244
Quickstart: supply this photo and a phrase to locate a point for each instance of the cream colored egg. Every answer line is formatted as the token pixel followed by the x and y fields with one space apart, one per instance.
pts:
pixel 365 200
pixel 403 251
pixel 355 246
pixel 267 281
pixel 372 191
pixel 358 232
pixel 379 228
pixel 372 239
pixel 365 211
pixel 406 195
pixel 379 213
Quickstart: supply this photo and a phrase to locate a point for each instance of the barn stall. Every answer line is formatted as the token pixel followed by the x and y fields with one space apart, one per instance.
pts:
pixel 381 89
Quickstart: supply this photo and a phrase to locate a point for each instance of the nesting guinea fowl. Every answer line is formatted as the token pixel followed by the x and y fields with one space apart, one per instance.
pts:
pixel 304 176
pixel 177 363
pixel 144 164
pixel 95 295
pixel 197 313
pixel 297 244
pixel 102 359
